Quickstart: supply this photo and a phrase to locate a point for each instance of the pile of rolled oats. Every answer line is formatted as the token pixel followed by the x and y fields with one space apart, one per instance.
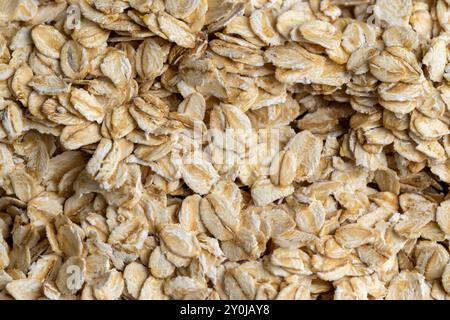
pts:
pixel 224 149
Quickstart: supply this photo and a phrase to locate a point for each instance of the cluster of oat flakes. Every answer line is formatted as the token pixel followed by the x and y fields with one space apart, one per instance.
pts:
pixel 116 180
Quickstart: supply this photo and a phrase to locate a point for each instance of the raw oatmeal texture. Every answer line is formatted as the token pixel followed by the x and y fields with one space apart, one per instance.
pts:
pixel 224 149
